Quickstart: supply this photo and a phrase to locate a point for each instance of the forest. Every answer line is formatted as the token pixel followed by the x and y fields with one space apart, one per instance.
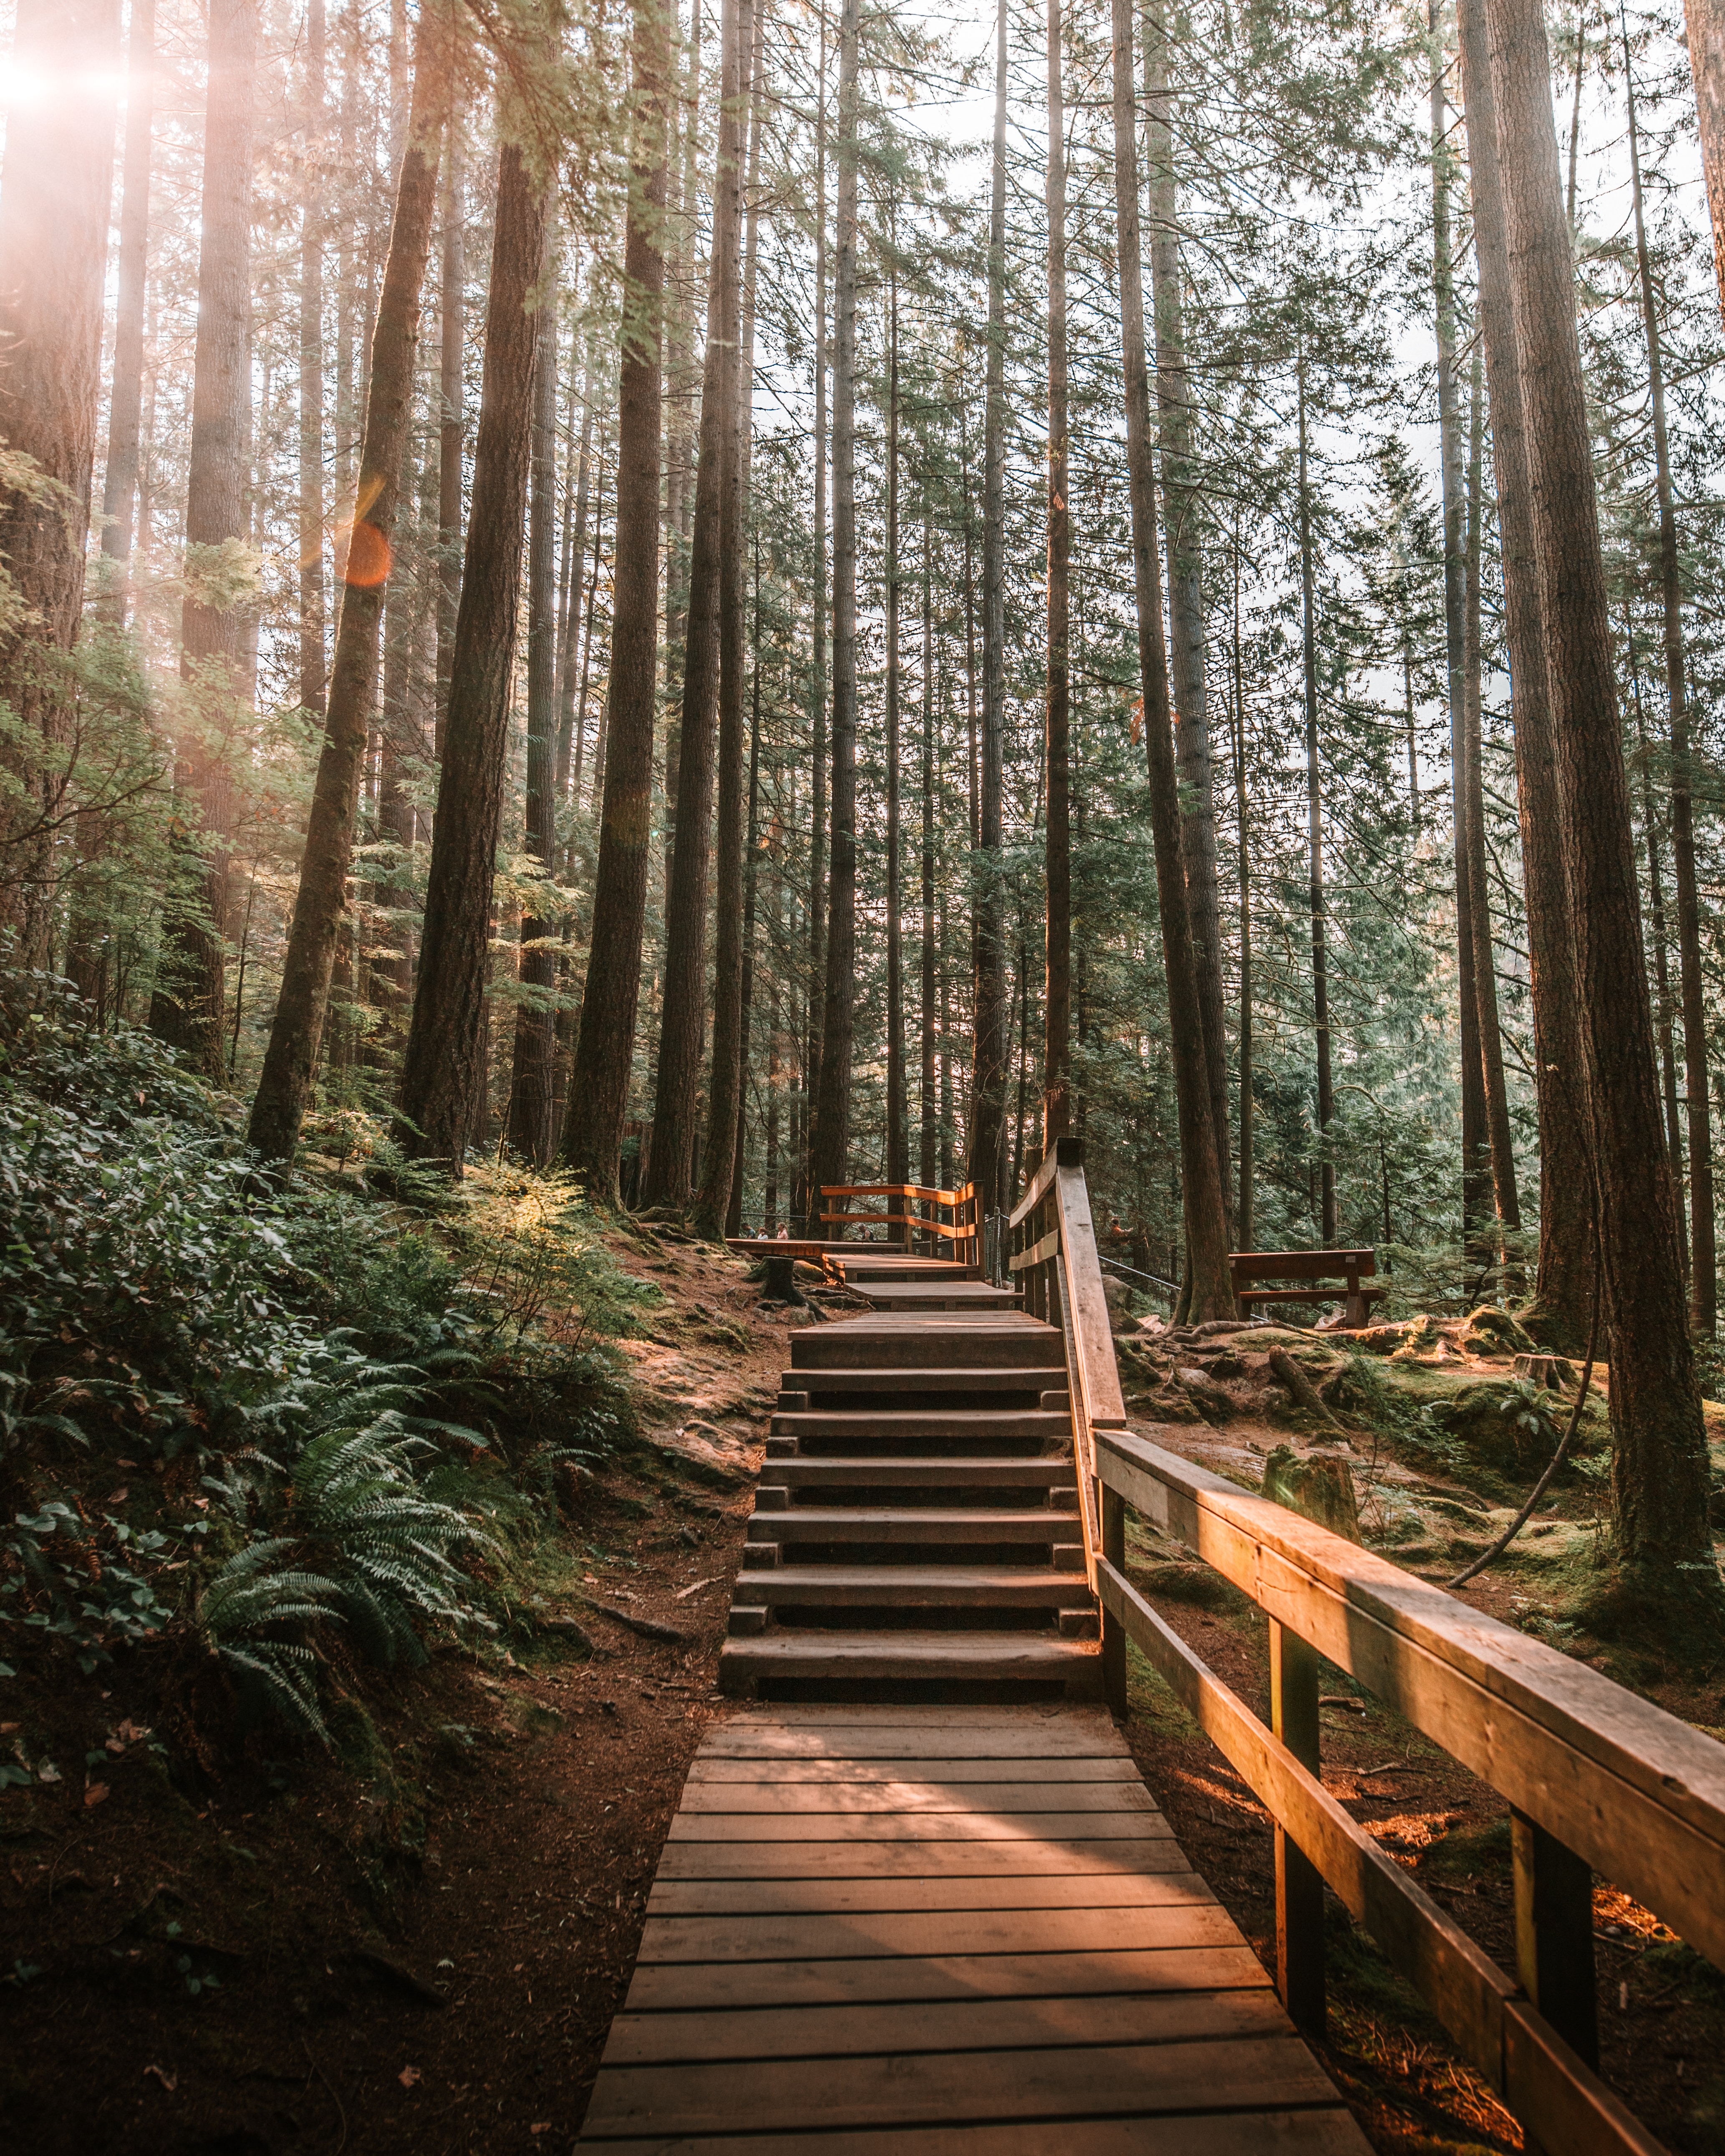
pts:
pixel 611 616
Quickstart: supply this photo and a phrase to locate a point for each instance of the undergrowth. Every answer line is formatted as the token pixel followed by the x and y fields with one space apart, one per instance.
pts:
pixel 328 1407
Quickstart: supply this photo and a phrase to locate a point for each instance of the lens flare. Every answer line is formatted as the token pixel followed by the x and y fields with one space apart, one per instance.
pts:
pixel 368 557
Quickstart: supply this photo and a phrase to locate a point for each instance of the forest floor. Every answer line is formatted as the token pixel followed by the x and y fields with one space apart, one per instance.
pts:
pixel 417 1941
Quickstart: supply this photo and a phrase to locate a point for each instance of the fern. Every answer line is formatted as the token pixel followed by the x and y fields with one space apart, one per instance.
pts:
pixel 352 1538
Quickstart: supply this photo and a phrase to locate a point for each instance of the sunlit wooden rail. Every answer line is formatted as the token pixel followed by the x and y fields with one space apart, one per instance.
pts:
pixel 1598 1778
pixel 946 1218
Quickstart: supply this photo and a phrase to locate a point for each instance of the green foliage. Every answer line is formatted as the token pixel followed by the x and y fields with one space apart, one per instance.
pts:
pixel 373 1376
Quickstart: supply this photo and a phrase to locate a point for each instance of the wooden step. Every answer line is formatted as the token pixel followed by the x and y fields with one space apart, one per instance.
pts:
pixel 932 1523
pixel 1027 1378
pixel 925 1422
pixel 941 1294
pixel 938 1473
pixel 932 1340
pixel 948 1656
pixel 912 1586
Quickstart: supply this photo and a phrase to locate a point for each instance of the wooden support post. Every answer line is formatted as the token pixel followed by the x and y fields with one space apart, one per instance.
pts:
pixel 1554 1935
pixel 1113 1631
pixel 1299 1884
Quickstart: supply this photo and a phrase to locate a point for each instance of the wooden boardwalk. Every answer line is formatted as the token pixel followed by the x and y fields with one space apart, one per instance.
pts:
pixel 945 1930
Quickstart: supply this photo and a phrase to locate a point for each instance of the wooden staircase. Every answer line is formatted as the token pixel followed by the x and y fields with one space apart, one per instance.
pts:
pixel 917 1524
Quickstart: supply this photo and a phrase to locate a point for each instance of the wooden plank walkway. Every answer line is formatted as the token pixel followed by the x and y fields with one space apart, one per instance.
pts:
pixel 945 1930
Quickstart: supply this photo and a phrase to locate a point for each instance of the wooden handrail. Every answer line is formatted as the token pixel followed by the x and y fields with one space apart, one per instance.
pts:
pixel 1053 1255
pixel 1598 1777
pixel 1548 2087
pixel 961 1229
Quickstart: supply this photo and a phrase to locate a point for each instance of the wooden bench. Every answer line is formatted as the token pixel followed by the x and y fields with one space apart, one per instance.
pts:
pixel 1342 1270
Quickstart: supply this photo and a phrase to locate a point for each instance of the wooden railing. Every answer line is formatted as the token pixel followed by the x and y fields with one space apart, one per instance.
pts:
pixel 1598 1778
pixel 1052 1256
pixel 948 1217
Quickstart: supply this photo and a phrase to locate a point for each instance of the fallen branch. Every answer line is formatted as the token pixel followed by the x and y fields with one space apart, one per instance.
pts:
pixel 648 1627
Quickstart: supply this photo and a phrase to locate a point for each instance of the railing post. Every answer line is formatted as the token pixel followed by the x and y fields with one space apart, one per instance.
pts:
pixel 1113 1631
pixel 1299 1884
pixel 1554 1934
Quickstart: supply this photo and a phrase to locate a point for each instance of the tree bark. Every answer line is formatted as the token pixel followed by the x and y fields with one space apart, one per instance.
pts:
pixel 670 1166
pixel 313 678
pixel 898 1136
pixel 1182 508
pixel 930 1108
pixel 803 1203
pixel 598 1085
pixel 987 1101
pixel 1206 1218
pixel 120 482
pixel 829 1150
pixel 319 909
pixel 1660 1473
pixel 1563 1291
pixel 187 1007
pixel 443 1068
pixel 1655 899
pixel 751 880
pixel 54 233
pixel 530 1101
pixel 1703 1263
pixel 1057 842
pixel 724 1098
pixel 1476 1157
pixel 1706 21
pixel 1484 955
pixel 451 424
pixel 1243 1219
pixel 1314 845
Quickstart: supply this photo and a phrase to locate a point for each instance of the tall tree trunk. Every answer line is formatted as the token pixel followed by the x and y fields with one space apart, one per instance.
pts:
pixel 671 1165
pixel 1703 1267
pixel 1659 1460
pixel 568 673
pixel 929 1103
pixel 898 1136
pixel 1206 1217
pixel 1485 955
pixel 1057 845
pixel 1564 1292
pixel 1243 1219
pixel 682 380
pixel 724 1101
pixel 452 427
pixel 1476 1157
pixel 187 1007
pixel 120 482
pixel 443 1081
pixel 1182 508
pixel 53 236
pixel 987 1148
pixel 313 680
pixel 804 1203
pixel 599 1084
pixel 530 1128
pixel 751 879
pixel 1656 897
pixel 319 908
pixel 1315 843
pixel 830 1151
pixel 1706 22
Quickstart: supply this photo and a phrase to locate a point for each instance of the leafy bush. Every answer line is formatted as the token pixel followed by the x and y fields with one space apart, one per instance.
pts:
pixel 367 1369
